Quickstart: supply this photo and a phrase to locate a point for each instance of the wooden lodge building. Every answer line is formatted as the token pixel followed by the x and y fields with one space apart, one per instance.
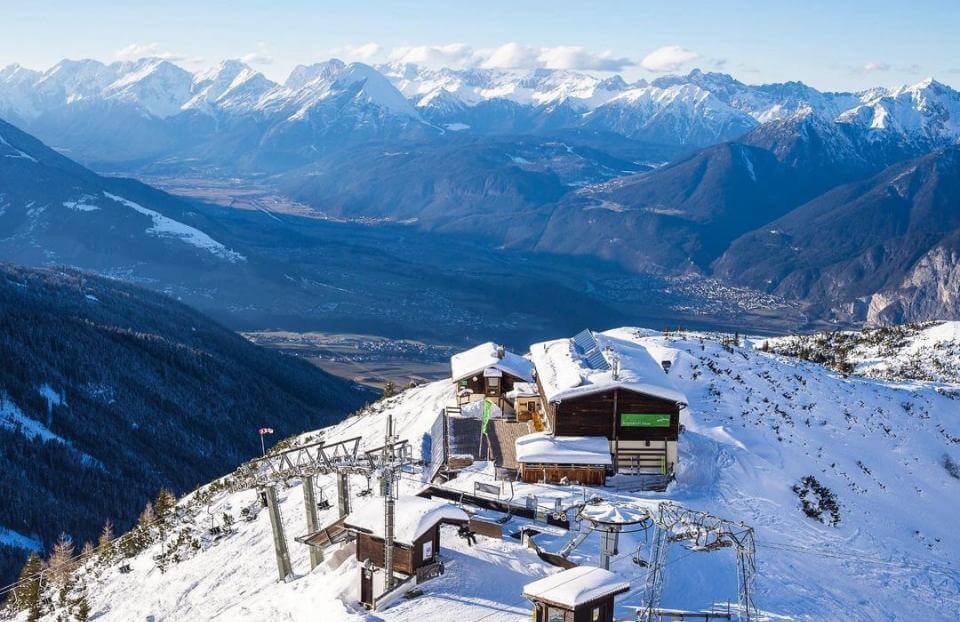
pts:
pixel 489 371
pixel 416 540
pixel 600 386
pixel 578 594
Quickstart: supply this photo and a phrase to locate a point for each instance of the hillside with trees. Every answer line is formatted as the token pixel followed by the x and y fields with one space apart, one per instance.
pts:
pixel 110 392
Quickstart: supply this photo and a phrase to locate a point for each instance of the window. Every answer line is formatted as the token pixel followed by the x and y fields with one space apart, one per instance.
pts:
pixel 556 615
pixel 428 549
pixel 493 382
pixel 531 406
pixel 595 615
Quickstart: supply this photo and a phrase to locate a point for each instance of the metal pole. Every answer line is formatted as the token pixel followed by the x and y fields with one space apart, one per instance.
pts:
pixel 310 503
pixel 388 507
pixel 388 511
pixel 279 542
pixel 263 448
pixel 609 539
pixel 343 493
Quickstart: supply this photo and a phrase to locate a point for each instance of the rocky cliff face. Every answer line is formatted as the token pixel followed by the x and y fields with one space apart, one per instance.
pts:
pixel 930 290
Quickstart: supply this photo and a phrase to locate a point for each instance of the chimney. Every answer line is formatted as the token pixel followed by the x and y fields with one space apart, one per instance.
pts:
pixel 666 366
pixel 500 352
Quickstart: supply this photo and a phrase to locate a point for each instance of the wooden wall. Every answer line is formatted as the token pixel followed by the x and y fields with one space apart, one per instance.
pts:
pixel 406 559
pixel 479 387
pixel 533 473
pixel 599 415
pixel 583 613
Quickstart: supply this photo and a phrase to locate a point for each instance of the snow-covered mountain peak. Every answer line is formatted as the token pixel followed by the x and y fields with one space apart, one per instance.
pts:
pixel 224 72
pixel 17 73
pixel 373 88
pixel 304 74
pixel 927 112
pixel 231 85
pixel 156 85
pixel 69 80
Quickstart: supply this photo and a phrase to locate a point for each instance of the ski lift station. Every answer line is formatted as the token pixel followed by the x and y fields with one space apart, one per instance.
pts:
pixel 575 410
pixel 534 487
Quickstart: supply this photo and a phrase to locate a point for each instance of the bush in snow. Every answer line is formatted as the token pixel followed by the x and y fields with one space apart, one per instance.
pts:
pixel 817 501
pixel 952 467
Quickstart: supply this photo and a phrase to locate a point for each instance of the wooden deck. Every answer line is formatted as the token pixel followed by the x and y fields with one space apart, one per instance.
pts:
pixel 503 435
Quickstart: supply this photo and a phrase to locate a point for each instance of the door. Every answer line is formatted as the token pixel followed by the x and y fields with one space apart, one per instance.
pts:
pixel 366 586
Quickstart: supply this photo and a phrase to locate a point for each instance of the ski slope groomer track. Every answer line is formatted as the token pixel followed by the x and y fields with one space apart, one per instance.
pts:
pixel 764 434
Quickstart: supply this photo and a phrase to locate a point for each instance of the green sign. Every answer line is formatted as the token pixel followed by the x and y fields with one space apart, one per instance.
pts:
pixel 637 420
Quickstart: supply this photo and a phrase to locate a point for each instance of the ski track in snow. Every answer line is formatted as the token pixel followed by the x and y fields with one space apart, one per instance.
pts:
pixel 756 424
pixel 16 152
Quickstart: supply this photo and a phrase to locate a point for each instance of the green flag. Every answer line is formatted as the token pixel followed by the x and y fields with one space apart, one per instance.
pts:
pixel 487 405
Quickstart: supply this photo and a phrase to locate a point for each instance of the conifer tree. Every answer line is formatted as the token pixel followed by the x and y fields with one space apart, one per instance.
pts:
pixel 87 551
pixel 165 502
pixel 389 389
pixel 61 560
pixel 26 596
pixel 81 606
pixel 147 517
pixel 106 536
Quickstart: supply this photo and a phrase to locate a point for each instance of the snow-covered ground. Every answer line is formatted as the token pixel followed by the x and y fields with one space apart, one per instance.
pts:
pixel 758 423
pixel 928 351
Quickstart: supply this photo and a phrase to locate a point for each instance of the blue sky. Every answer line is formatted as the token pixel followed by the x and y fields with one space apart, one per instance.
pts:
pixel 830 45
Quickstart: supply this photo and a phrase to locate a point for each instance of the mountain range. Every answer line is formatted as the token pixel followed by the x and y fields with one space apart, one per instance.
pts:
pixel 681 175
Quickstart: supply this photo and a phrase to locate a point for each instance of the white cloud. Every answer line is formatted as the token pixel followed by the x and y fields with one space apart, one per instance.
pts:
pixel 511 56
pixel 576 57
pixel 874 67
pixel 136 51
pixel 668 58
pixel 454 55
pixel 261 56
pixel 364 51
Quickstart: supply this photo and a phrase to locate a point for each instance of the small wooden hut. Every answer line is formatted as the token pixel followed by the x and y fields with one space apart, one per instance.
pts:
pixel 579 594
pixel 489 371
pixel 416 538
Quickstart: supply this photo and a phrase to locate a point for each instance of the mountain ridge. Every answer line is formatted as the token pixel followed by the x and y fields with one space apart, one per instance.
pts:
pixel 109 392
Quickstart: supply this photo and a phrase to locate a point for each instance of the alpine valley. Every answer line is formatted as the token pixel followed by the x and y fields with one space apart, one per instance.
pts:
pixel 688 177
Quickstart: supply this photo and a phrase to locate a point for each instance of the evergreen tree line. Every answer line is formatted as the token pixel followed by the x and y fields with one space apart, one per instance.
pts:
pixel 52 585
pixel 149 394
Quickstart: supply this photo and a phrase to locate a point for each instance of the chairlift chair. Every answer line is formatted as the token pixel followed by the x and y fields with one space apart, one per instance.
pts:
pixel 323 503
pixel 369 489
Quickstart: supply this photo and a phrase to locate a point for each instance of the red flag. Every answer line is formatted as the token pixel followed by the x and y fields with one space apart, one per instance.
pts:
pixel 266 431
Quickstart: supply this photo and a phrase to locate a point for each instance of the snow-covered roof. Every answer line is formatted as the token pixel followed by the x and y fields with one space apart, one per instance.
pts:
pixel 484 356
pixel 613 514
pixel 576 586
pixel 595 362
pixel 413 517
pixel 541 448
pixel 523 389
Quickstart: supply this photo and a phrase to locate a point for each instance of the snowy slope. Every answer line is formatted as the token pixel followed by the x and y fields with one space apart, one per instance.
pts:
pixel 758 423
pixel 926 352
pixel 926 113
